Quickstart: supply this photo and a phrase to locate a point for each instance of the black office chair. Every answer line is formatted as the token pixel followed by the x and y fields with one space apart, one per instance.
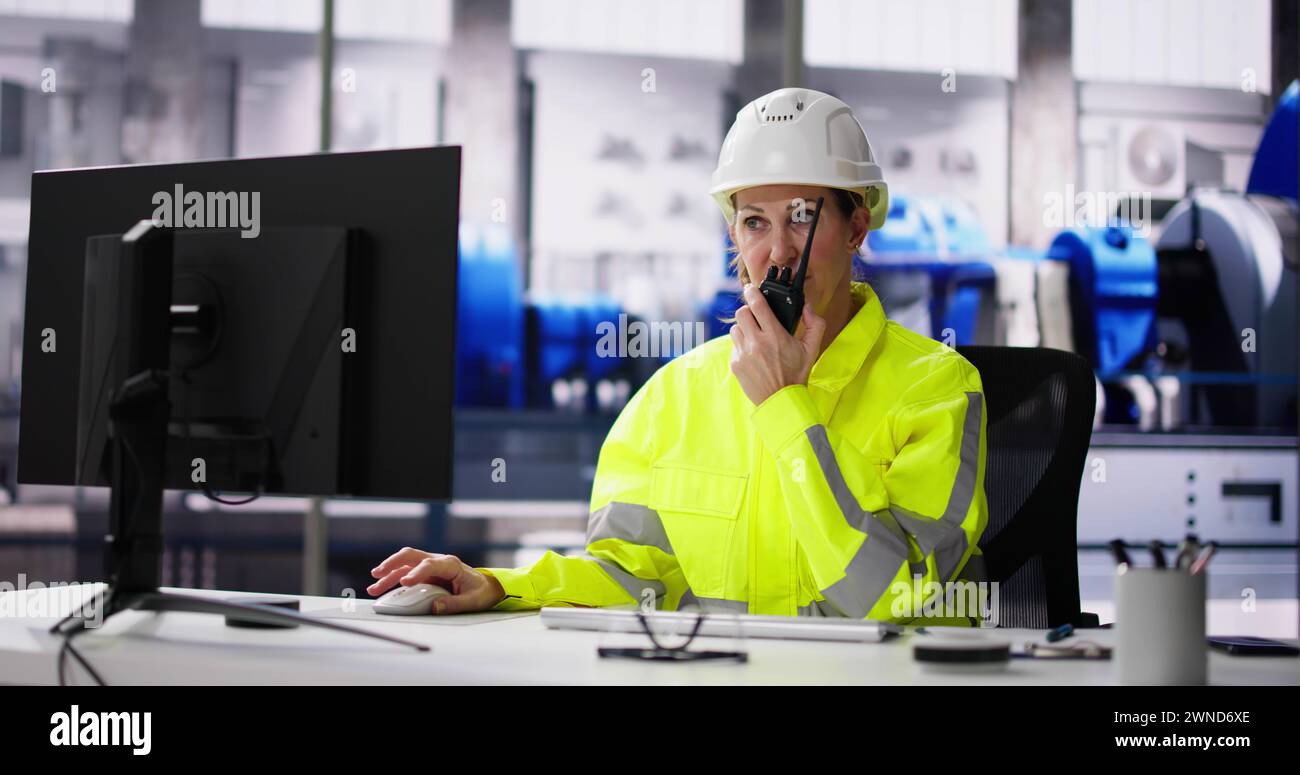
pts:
pixel 1040 408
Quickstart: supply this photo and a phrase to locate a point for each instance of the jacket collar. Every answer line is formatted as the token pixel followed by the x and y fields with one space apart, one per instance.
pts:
pixel 841 361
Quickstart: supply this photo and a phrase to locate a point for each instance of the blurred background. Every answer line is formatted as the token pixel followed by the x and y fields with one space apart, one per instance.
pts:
pixel 1113 177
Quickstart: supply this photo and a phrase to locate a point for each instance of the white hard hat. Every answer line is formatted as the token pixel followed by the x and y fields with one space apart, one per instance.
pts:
pixel 799 136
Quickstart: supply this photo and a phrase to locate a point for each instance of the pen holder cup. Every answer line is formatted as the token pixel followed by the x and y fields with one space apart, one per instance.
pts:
pixel 1160 624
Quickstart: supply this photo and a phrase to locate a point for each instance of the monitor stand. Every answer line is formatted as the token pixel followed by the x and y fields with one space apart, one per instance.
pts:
pixel 138 416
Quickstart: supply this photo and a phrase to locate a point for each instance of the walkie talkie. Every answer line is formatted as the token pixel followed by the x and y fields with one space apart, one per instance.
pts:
pixel 785 297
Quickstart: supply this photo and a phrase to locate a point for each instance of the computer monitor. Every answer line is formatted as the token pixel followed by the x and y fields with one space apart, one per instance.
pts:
pixel 281 325
pixel 317 337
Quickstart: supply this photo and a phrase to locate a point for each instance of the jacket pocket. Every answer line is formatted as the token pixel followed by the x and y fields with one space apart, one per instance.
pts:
pixel 699 509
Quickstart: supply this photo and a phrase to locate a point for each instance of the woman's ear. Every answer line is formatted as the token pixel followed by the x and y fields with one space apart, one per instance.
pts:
pixel 859 226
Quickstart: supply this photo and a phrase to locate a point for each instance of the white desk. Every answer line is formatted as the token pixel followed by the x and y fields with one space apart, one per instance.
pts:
pixel 183 648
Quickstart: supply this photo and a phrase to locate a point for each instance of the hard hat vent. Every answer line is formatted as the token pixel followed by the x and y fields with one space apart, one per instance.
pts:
pixel 788 115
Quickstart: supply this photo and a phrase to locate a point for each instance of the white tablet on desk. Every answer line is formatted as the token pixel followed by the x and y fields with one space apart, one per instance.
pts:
pixel 720 625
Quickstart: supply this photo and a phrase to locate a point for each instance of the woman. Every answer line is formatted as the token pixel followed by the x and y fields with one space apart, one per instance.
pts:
pixel 834 472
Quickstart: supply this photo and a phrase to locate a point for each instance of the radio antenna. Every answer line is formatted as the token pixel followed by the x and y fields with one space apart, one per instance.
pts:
pixel 807 247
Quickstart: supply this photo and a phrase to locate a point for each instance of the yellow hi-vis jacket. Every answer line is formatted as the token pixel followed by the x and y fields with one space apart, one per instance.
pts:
pixel 856 495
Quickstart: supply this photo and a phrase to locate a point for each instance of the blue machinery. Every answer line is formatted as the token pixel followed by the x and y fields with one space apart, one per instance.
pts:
pixel 1114 292
pixel 489 321
pixel 1206 317
pixel 514 353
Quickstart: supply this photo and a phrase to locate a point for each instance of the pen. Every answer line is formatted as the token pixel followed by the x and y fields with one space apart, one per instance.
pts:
pixel 1187 551
pixel 1060 633
pixel 1158 554
pixel 1121 556
pixel 1203 558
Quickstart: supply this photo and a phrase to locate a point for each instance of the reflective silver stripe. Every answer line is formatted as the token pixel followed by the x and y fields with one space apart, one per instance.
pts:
pixel 948 554
pixel 844 497
pixel 867 577
pixel 719 604
pixel 629 522
pixel 917 568
pixel 886 520
pixel 633 585
pixel 860 519
pixel 963 490
pixel 882 553
pixel 690 600
pixel 944 537
pixel 815 608
pixel 928 532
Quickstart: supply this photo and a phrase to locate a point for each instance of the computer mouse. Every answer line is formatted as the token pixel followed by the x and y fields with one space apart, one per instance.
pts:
pixel 414 600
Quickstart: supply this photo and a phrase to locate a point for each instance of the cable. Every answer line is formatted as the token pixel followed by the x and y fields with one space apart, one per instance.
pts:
pixel 183 376
pixel 68 649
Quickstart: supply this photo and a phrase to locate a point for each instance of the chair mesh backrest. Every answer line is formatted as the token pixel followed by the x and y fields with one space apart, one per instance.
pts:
pixel 1040 408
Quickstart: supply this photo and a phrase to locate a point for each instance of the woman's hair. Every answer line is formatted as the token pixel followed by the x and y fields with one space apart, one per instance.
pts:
pixel 846 201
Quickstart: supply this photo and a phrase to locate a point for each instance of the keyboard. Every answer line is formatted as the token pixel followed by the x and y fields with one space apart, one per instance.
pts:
pixel 719 625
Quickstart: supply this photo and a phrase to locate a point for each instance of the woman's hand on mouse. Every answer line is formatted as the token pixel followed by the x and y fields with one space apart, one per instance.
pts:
pixel 470 589
pixel 764 356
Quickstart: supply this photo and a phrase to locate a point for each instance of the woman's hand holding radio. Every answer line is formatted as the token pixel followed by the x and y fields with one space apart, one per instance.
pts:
pixel 764 357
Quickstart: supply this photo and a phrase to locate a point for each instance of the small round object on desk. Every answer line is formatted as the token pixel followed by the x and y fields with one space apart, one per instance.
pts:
pixel 961 656
pixel 287 603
